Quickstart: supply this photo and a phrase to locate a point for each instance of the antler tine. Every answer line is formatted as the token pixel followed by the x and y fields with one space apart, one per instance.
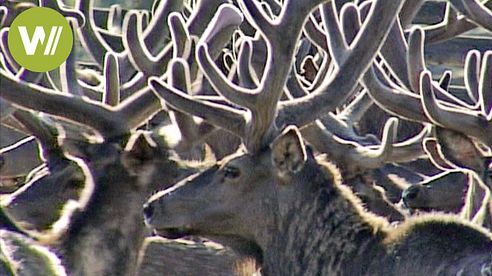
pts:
pixel 416 65
pixel 44 133
pixel 350 153
pixel 203 12
pixel 257 17
pixel 386 148
pixel 31 96
pixel 315 34
pixel 181 38
pixel 68 74
pixel 484 209
pixel 222 116
pixel 456 119
pixel 388 98
pixel 138 54
pixel 415 57
pixel 357 108
pixel 111 94
pixel 246 75
pixel 411 149
pixel 179 78
pixel 354 63
pixel 221 84
pixel 351 26
pixel 335 38
pixel 141 56
pixel 485 86
pixel 143 104
pixel 394 53
pixel 411 107
pixel 115 18
pixel 3 15
pixel 472 67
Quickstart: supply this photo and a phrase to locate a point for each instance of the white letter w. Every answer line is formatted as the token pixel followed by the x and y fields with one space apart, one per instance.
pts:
pixel 30 45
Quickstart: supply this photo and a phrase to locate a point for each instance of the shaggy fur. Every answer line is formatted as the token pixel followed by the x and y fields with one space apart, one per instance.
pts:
pixel 308 223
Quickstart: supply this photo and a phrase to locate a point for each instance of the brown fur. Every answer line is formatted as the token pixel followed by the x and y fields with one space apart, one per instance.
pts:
pixel 307 223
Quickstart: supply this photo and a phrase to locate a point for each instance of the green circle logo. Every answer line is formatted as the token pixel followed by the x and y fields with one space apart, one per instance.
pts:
pixel 40 39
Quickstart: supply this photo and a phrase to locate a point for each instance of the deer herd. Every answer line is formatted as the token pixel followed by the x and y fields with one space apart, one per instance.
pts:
pixel 247 137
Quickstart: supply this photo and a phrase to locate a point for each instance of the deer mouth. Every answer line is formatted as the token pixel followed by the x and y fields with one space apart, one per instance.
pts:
pixel 173 233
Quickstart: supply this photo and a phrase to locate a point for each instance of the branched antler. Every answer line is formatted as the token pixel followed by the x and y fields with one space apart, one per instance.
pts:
pixel 257 126
pixel 353 63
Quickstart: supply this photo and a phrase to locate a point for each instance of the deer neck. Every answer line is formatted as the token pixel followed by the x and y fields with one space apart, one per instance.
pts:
pixel 321 234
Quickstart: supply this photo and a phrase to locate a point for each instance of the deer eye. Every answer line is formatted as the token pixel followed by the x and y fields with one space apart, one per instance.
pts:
pixel 231 172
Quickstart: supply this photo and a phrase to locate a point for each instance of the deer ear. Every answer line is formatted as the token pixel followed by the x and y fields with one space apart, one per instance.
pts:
pixel 288 151
pixel 138 151
pixel 459 149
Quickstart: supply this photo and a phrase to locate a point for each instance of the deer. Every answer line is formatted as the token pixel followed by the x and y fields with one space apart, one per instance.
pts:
pixel 462 127
pixel 265 198
pixel 101 233
pixel 38 203
pixel 442 192
pixel 454 138
pixel 276 200
pixel 463 187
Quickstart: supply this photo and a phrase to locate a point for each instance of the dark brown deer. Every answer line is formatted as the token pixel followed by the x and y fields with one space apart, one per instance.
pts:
pixel 278 202
pixel 265 202
pixel 106 226
pixel 39 203
pixel 469 195
pixel 458 121
pixel 106 230
pixel 443 192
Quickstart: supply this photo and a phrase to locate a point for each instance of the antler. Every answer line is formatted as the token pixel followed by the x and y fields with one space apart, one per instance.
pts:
pixel 352 64
pixel 256 126
pixel 348 151
pixel 111 122
pixel 455 115
pixel 427 108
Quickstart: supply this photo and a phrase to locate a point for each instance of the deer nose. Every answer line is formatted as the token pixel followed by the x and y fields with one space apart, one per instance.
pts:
pixel 148 210
pixel 410 193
